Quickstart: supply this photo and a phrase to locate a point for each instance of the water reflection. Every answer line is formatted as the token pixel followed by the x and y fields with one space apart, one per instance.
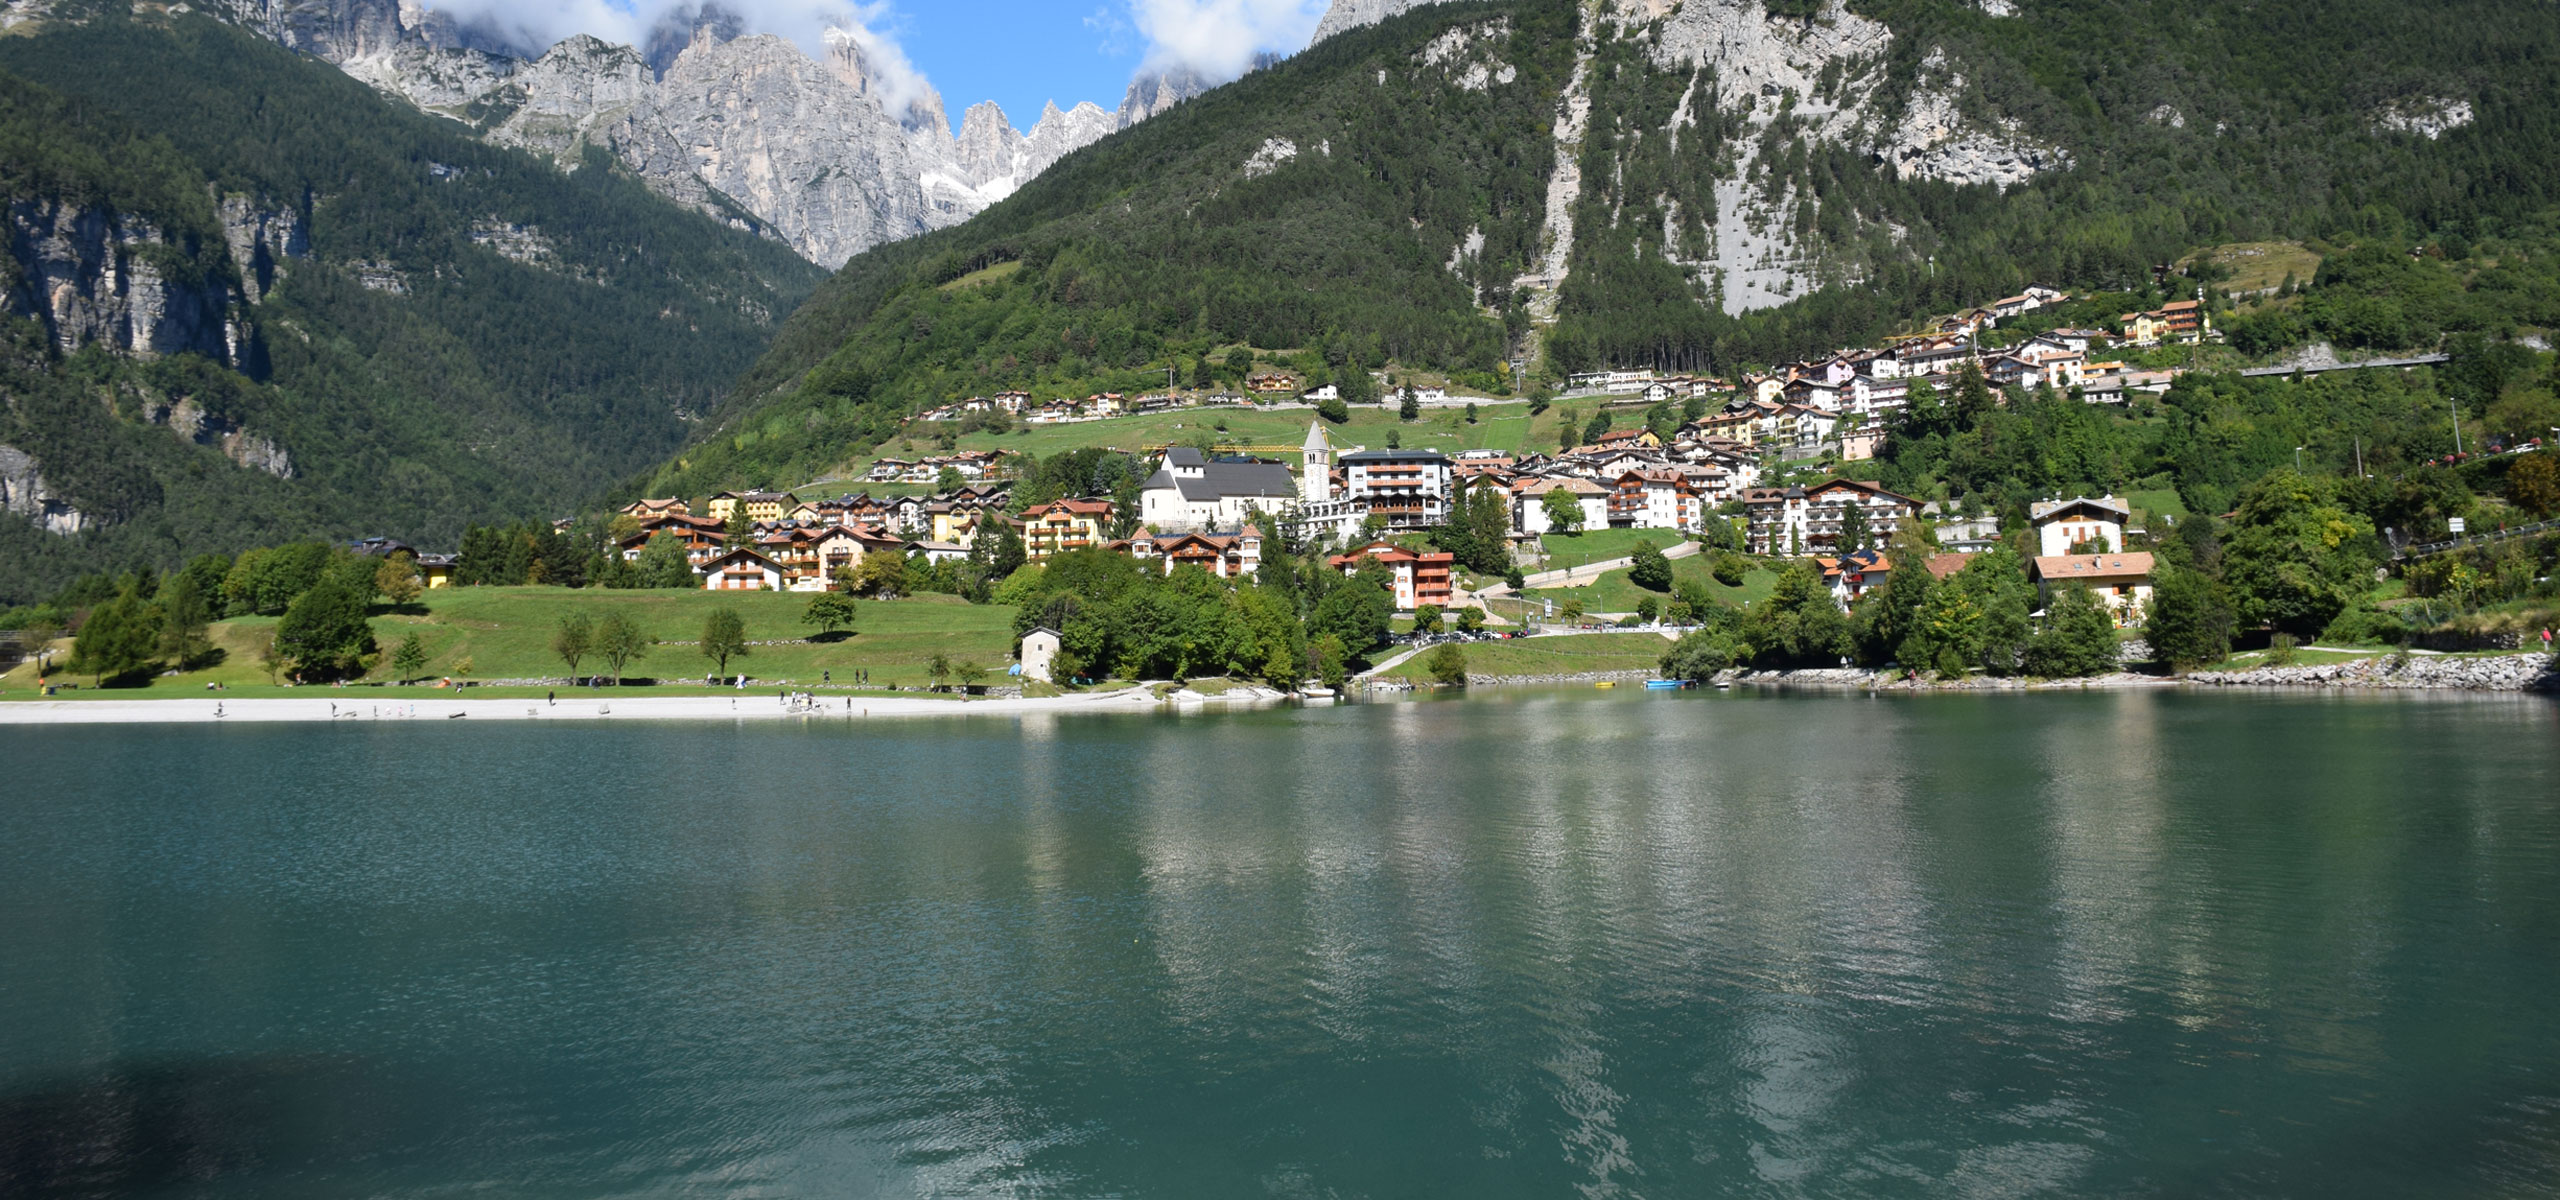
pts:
pixel 1524 945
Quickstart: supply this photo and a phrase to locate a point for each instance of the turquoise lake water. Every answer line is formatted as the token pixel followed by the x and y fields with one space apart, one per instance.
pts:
pixel 1527 944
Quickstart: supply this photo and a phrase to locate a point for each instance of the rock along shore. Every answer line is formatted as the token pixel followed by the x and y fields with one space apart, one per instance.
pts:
pixel 2497 673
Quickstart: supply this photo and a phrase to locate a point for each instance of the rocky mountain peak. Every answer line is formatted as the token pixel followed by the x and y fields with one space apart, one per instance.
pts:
pixel 681 27
pixel 833 154
pixel 1153 92
pixel 1352 14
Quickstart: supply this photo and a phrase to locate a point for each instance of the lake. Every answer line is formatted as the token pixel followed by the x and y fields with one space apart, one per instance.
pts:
pixel 1534 944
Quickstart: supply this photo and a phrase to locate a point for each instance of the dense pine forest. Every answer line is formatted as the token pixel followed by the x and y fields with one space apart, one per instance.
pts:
pixel 473 336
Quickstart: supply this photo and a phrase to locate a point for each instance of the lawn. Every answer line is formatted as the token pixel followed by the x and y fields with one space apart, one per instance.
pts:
pixel 1574 549
pixel 1615 593
pixel 1566 654
pixel 1500 426
pixel 505 633
pixel 2257 266
pixel 2163 501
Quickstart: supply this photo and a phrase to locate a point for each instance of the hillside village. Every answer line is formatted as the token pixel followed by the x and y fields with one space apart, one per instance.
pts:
pixel 1216 513
pixel 1750 473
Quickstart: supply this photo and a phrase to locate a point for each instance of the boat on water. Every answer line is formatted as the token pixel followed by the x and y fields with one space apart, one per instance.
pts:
pixel 1606 683
pixel 1666 685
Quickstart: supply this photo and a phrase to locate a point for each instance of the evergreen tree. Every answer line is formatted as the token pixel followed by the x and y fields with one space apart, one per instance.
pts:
pixel 1489 516
pixel 663 564
pixel 410 658
pixel 186 640
pixel 118 638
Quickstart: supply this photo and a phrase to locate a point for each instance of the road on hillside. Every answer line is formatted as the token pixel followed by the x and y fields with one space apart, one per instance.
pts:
pixel 1586 574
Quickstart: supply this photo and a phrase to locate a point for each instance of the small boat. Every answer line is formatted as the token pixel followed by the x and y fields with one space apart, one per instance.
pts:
pixel 1664 685
pixel 1606 683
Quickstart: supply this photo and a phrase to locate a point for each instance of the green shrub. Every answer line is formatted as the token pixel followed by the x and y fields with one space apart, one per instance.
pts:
pixel 1447 665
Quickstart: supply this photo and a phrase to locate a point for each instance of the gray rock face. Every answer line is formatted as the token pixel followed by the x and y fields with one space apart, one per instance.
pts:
pixel 191 423
pixel 1158 91
pixel 1352 14
pixel 747 129
pixel 23 493
pixel 94 277
pixel 263 242
pixel 1764 66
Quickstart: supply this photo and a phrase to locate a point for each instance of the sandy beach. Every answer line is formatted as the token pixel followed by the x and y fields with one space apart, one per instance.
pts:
pixel 587 707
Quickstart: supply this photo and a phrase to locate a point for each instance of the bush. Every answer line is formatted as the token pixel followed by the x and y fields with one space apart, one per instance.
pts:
pixel 1651 570
pixel 2362 624
pixel 2280 649
pixel 1730 569
pixel 1697 657
pixel 1447 665
pixel 1647 608
pixel 2079 637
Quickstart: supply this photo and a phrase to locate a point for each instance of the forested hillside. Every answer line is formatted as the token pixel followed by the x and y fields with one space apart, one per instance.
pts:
pixel 255 301
pixel 1313 206
pixel 1381 199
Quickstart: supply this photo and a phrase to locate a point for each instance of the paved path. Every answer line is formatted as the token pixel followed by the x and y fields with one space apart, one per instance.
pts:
pixel 1391 662
pixel 1589 573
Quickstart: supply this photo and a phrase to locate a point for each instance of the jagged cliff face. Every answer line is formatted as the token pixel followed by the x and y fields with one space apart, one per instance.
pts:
pixel 1352 14
pixel 1826 77
pixel 23 493
pixel 96 277
pixel 748 129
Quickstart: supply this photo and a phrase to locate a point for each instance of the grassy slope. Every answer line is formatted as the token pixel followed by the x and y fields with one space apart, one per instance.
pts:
pixel 506 634
pixel 1572 549
pixel 1567 655
pixel 1615 594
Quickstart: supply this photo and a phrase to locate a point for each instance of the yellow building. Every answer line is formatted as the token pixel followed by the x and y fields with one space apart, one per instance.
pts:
pixel 760 506
pixel 1063 525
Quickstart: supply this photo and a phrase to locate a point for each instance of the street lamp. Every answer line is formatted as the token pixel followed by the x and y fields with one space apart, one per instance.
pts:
pixel 2297 460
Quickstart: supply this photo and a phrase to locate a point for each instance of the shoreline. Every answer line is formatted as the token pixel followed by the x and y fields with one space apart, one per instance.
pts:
pixel 2515 674
pixel 196 710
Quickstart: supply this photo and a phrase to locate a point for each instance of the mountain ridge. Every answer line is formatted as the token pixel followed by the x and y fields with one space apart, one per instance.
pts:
pixel 828 153
pixel 248 298
pixel 1714 185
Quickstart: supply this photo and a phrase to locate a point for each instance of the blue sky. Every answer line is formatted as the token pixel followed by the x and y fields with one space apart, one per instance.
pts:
pixel 1018 53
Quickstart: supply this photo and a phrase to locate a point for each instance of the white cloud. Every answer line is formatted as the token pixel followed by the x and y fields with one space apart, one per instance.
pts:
pixel 1219 38
pixel 532 26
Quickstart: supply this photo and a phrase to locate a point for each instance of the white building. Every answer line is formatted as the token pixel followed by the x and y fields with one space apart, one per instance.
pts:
pixel 1189 492
pixel 1410 488
pixel 2062 524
